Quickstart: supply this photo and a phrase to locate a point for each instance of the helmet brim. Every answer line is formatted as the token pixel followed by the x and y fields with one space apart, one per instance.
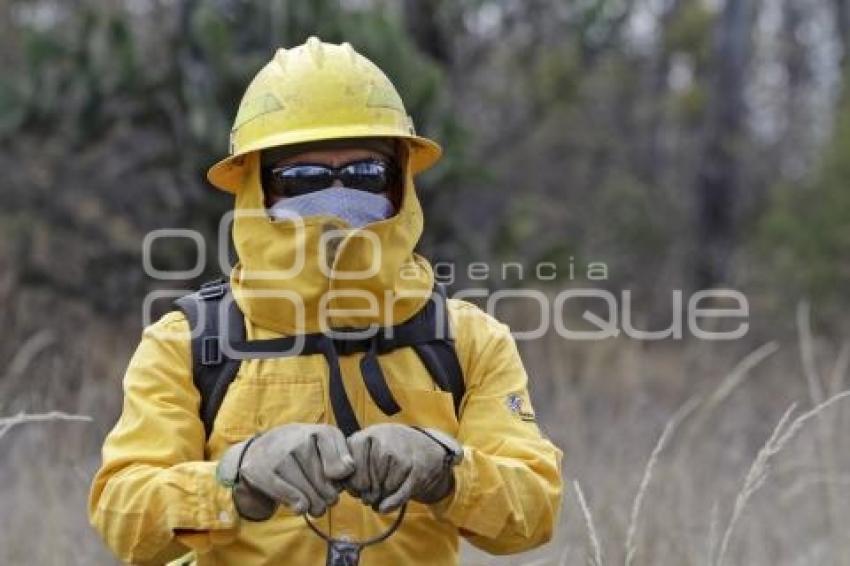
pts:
pixel 227 174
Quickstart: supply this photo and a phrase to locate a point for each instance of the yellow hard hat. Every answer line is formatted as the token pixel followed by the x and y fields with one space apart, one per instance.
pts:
pixel 317 91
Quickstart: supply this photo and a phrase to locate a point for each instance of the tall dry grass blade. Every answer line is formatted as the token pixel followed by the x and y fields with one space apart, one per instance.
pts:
pixel 6 423
pixel 732 381
pixel 596 558
pixel 754 479
pixel 839 369
pixel 669 428
pixel 807 416
pixel 758 471
pixel 16 370
pixel 713 526
pixel 27 352
pixel 824 448
pixel 807 352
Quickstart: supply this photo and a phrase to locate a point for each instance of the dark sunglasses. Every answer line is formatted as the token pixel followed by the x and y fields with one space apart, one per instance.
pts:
pixel 370 175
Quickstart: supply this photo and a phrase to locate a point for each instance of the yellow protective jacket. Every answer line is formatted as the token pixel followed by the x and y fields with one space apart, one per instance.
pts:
pixel 156 496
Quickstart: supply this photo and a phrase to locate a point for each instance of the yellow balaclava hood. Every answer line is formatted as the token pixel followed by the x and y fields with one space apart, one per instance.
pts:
pixel 297 277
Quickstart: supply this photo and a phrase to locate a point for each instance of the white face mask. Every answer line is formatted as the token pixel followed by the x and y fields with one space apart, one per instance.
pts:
pixel 356 207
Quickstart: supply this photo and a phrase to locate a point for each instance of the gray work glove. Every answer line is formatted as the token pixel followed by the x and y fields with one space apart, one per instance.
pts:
pixel 395 463
pixel 297 465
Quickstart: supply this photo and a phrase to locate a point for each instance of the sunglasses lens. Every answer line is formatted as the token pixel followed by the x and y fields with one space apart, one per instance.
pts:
pixel 295 180
pixel 299 180
pixel 370 176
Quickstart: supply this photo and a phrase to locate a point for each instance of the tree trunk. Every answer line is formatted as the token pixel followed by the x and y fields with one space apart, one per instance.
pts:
pixel 796 144
pixel 719 178
pixel 421 21
pixel 842 22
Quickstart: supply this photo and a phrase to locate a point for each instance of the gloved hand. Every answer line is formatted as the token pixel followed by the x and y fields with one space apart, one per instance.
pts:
pixel 298 465
pixel 395 463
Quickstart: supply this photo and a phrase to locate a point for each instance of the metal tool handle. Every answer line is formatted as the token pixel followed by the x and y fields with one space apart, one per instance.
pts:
pixel 370 541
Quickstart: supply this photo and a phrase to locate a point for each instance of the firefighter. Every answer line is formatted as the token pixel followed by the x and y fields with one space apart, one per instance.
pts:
pixel 322 146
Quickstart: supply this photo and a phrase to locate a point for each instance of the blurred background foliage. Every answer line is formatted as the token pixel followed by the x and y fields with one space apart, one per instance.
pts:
pixel 634 133
pixel 682 141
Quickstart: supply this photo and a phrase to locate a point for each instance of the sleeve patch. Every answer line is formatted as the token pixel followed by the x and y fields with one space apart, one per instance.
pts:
pixel 520 407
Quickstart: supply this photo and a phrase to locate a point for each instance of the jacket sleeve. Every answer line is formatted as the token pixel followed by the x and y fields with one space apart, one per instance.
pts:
pixel 154 495
pixel 508 487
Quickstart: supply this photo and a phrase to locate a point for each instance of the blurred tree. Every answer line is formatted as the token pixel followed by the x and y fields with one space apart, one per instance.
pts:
pixel 572 130
pixel 842 22
pixel 806 233
pixel 125 105
pixel 719 179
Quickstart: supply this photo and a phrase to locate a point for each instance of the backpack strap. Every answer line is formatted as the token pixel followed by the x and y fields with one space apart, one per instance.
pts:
pixel 428 333
pixel 212 371
pixel 439 355
pixel 440 359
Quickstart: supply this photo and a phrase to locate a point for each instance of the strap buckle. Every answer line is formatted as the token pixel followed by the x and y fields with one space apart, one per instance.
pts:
pixel 210 351
pixel 348 340
pixel 213 289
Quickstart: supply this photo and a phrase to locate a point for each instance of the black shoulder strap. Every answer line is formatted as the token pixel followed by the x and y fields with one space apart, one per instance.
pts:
pixel 212 371
pixel 440 359
pixel 439 356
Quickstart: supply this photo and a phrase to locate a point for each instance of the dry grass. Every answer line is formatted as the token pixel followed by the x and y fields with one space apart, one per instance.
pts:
pixel 595 556
pixel 758 472
pixel 664 445
pixel 6 423
pixel 712 491
pixel 669 428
